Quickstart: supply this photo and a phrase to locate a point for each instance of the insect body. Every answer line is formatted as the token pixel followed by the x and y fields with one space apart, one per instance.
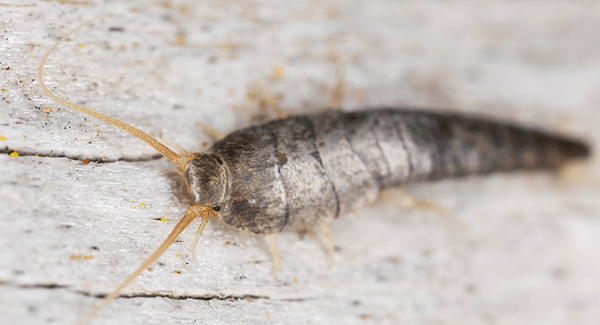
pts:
pixel 302 170
pixel 306 170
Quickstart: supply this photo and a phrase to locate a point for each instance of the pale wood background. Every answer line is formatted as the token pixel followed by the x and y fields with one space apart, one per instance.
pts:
pixel 530 253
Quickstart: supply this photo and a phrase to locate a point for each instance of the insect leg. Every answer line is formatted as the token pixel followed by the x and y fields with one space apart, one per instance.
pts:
pixel 264 100
pixel 578 172
pixel 273 240
pixel 403 200
pixel 213 134
pixel 331 248
pixel 337 92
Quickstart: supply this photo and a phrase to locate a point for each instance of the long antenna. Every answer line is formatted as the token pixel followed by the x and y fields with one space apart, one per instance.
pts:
pixel 179 160
pixel 194 212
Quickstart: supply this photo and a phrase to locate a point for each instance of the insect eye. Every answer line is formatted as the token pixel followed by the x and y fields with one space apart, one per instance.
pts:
pixel 217 208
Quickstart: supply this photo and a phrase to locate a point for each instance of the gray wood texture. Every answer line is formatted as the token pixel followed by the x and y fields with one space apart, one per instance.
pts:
pixel 530 249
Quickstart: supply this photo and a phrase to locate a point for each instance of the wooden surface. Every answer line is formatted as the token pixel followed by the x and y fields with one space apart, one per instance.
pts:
pixel 530 251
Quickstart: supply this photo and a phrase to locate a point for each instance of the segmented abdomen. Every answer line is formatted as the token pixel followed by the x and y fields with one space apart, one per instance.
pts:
pixel 297 171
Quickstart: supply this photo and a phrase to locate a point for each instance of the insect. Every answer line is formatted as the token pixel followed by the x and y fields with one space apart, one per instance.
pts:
pixel 307 170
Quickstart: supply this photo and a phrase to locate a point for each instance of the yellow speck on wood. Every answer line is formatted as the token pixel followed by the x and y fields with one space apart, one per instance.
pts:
pixel 82 45
pixel 179 39
pixel 226 46
pixel 2 138
pixel 142 203
pixel 45 116
pixel 163 219
pixel 277 72
pixel 4 89
pixel 177 255
pixel 14 154
pixel 82 257
pixel 134 207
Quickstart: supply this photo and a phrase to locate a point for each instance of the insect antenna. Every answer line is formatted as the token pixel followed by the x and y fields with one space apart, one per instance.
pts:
pixel 194 212
pixel 179 160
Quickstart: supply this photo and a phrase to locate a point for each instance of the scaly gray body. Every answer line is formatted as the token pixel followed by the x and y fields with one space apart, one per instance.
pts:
pixel 297 171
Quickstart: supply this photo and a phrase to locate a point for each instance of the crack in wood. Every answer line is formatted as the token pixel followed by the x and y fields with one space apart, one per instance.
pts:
pixel 8 151
pixel 205 297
